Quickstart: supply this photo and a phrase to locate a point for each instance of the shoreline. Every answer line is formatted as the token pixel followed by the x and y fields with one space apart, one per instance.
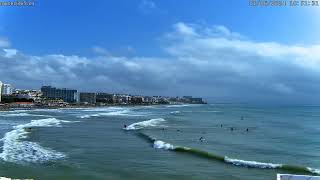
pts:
pixel 12 108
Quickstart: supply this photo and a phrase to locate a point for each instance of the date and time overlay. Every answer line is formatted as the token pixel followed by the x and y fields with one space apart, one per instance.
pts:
pixel 285 3
pixel 257 3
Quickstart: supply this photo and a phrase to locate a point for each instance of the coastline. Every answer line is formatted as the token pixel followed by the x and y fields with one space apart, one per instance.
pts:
pixel 13 108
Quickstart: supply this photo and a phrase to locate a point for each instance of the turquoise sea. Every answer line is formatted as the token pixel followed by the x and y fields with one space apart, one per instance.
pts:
pixel 214 141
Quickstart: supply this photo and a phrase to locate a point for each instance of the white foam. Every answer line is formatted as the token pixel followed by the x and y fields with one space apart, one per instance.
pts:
pixel 116 113
pixel 20 110
pixel 19 115
pixel 100 109
pixel 146 107
pixel 47 110
pixel 72 108
pixel 178 105
pixel 113 113
pixel 19 151
pixel 175 112
pixel 85 116
pixel 251 164
pixel 212 111
pixel 144 124
pixel 162 145
pixel 313 170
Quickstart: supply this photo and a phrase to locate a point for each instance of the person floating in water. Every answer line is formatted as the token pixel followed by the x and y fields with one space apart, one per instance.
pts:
pixel 201 139
pixel 221 125
pixel 231 128
pixel 247 130
pixel 125 126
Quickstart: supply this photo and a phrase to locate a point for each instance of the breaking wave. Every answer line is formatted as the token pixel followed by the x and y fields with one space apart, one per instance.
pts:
pixel 17 150
pixel 237 162
pixel 103 109
pixel 162 145
pixel 180 105
pixel 251 164
pixel 47 110
pixel 175 112
pixel 113 113
pixel 144 124
pixel 19 115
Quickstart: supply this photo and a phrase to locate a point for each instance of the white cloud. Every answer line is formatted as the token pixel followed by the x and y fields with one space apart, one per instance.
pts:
pixel 207 61
pixel 207 45
pixel 185 29
pixel 9 53
pixel 100 50
pixel 4 42
pixel 147 6
pixel 280 67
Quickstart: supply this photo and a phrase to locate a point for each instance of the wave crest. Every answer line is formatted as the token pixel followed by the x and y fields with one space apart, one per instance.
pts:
pixel 19 115
pixel 237 162
pixel 113 113
pixel 144 124
pixel 175 112
pixel 251 164
pixel 162 145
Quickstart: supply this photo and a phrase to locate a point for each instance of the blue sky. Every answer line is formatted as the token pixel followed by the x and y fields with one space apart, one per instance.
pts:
pixel 210 48
pixel 75 26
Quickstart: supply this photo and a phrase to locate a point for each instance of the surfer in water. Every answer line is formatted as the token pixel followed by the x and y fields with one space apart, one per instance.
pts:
pixel 247 130
pixel 201 139
pixel 231 128
pixel 125 126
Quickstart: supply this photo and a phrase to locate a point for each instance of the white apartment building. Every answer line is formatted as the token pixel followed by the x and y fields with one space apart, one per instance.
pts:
pixel 7 89
pixel 1 85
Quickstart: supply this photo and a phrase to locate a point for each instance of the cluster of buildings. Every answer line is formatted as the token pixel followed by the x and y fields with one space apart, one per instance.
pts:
pixel 61 97
pixel 18 97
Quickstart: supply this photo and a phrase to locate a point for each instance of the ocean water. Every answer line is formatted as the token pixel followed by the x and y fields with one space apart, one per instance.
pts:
pixel 161 142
